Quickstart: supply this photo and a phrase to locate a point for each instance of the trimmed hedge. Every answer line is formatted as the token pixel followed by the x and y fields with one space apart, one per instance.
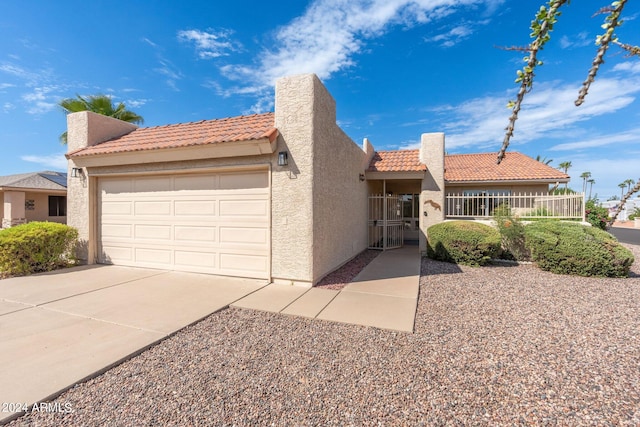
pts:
pixel 570 248
pixel 36 247
pixel 463 242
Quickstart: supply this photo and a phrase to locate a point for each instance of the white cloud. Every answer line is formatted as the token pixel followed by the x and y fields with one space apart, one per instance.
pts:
pixel 325 39
pixel 7 106
pixel 632 67
pixel 578 40
pixel 210 44
pixel 549 109
pixel 6 86
pixel 55 161
pixel 629 136
pixel 39 101
pixel 453 36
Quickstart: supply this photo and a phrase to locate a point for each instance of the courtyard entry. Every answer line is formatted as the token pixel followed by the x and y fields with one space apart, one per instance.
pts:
pixel 385 221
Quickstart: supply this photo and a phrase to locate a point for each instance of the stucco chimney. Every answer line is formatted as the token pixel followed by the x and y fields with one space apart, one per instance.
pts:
pixel 85 129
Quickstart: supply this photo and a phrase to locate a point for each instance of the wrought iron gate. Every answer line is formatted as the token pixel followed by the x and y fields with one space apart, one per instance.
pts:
pixel 385 221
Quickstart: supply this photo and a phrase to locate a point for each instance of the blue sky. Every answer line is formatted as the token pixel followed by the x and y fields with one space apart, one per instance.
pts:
pixel 396 68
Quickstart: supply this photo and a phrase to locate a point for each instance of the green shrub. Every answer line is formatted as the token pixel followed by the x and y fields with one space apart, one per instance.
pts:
pixel 596 215
pixel 511 234
pixel 570 248
pixel 634 214
pixel 36 247
pixel 463 242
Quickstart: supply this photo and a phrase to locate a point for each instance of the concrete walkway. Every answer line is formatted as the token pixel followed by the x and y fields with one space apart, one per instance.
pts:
pixel 60 328
pixel 383 295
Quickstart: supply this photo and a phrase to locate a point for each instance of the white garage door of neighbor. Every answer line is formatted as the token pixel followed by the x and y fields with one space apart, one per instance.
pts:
pixel 215 223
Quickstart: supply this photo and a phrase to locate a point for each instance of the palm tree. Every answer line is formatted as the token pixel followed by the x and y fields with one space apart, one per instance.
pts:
pixel 101 104
pixel 585 176
pixel 629 183
pixel 591 182
pixel 564 166
pixel 622 186
pixel 544 160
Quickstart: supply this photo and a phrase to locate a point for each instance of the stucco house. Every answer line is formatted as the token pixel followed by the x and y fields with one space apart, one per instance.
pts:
pixel 284 196
pixel 35 196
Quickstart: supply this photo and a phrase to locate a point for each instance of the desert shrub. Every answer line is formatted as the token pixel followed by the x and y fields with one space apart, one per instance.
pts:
pixel 634 214
pixel 596 215
pixel 570 248
pixel 36 247
pixel 511 231
pixel 463 242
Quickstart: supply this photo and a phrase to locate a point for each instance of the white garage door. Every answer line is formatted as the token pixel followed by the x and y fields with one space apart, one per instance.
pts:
pixel 207 223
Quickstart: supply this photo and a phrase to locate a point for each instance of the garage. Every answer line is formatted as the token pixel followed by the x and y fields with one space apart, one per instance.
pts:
pixel 214 222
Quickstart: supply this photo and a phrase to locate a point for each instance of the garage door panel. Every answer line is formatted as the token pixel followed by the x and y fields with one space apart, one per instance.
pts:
pixel 117 255
pixel 152 207
pixel 195 184
pixel 153 256
pixel 237 208
pixel 152 184
pixel 195 207
pixel 117 230
pixel 195 259
pixel 185 234
pixel 245 180
pixel 244 235
pixel 117 186
pixel 117 208
pixel 153 232
pixel 239 262
pixel 208 223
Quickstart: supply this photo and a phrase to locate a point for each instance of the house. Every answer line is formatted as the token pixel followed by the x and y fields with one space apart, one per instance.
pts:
pixel 35 196
pixel 284 196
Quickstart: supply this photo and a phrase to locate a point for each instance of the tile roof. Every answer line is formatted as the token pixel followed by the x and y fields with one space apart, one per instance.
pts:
pixel 482 167
pixel 46 180
pixel 396 161
pixel 470 167
pixel 232 129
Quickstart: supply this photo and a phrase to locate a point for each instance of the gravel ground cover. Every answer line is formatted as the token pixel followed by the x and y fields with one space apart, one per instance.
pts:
pixel 345 274
pixel 500 345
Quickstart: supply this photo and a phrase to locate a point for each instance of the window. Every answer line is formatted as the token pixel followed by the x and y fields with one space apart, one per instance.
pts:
pixel 57 206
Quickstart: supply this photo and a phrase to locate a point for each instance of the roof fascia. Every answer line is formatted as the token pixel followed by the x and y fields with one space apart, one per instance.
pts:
pixel 254 147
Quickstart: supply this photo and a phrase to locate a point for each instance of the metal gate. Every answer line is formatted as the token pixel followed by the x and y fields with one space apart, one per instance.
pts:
pixel 385 222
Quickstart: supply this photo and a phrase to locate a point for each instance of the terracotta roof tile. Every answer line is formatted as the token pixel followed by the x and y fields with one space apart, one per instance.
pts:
pixel 469 167
pixel 232 129
pixel 482 167
pixel 396 161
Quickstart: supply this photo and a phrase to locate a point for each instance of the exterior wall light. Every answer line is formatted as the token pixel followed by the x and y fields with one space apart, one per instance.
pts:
pixel 283 158
pixel 361 177
pixel 76 172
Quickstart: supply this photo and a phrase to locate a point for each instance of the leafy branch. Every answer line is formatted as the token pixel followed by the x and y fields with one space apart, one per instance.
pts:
pixel 541 28
pixel 611 22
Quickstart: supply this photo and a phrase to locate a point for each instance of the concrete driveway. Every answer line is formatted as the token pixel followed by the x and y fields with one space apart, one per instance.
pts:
pixel 59 328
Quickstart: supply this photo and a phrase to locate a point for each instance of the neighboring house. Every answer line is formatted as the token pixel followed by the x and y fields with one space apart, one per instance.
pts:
pixel 36 196
pixel 284 196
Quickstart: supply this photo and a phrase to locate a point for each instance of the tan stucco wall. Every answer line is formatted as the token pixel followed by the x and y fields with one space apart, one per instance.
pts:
pixel 85 129
pixel 41 208
pixel 318 201
pixel 339 197
pixel 432 195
